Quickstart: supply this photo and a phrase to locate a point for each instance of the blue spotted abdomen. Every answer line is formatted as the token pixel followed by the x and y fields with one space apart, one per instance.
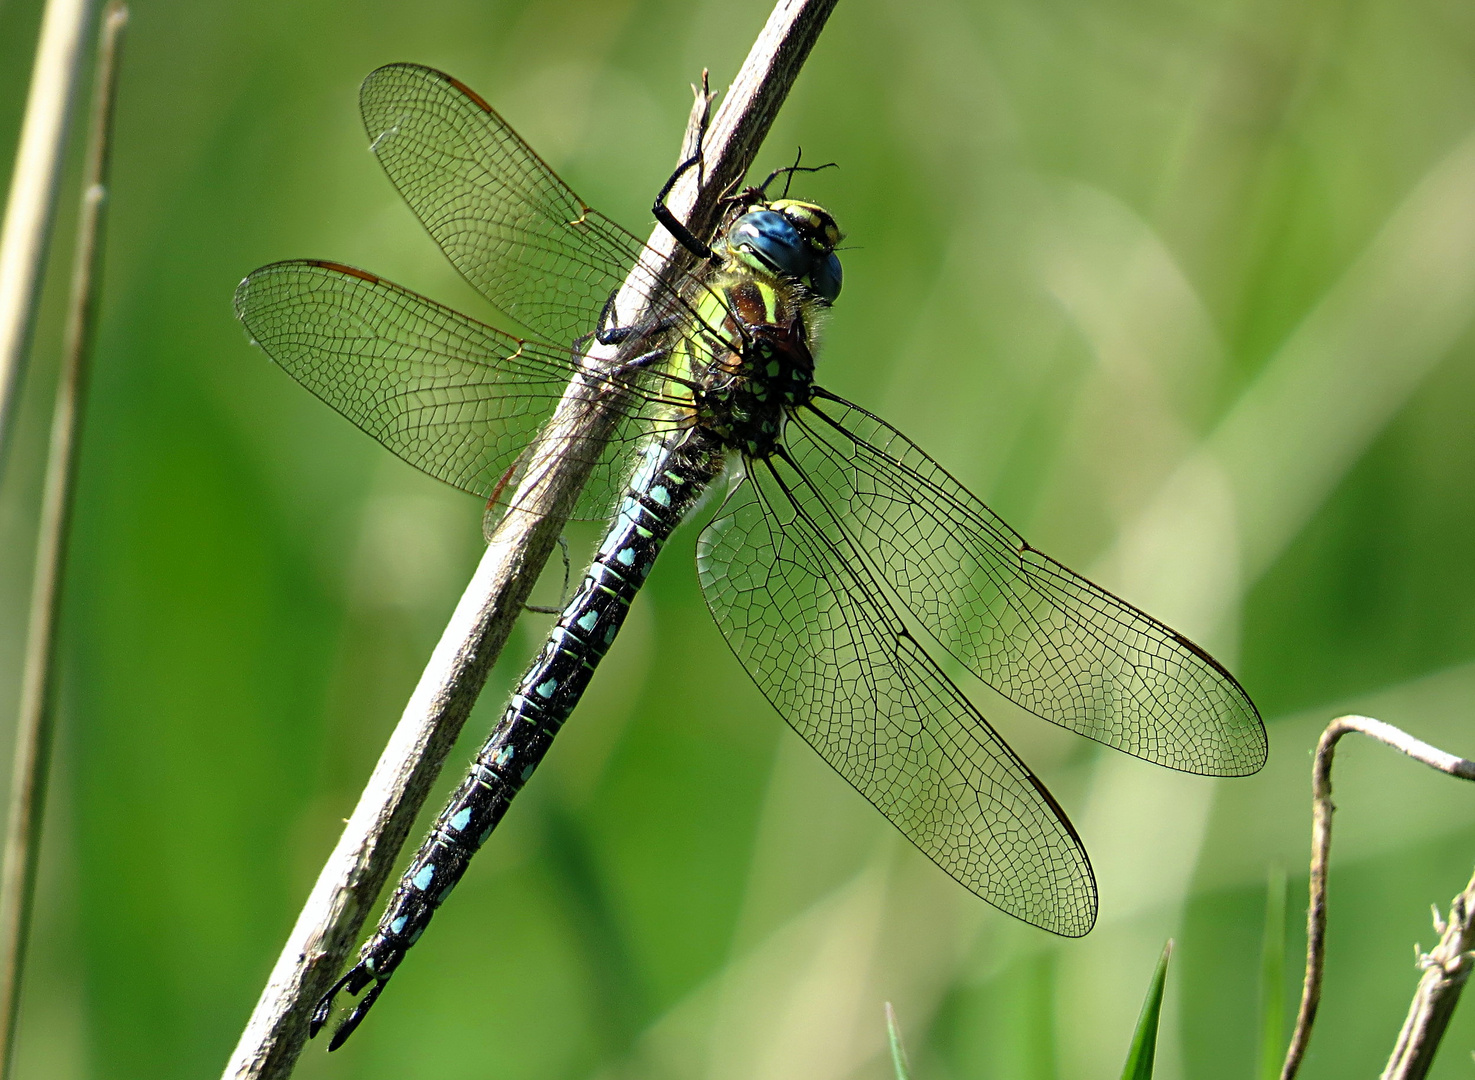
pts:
pixel 668 482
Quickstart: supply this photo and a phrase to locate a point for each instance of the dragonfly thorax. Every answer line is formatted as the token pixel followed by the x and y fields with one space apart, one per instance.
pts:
pixel 779 273
pixel 759 368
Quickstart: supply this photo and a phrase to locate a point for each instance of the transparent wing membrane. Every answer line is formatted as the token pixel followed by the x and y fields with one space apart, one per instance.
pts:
pixel 814 630
pixel 453 397
pixel 514 230
pixel 1043 636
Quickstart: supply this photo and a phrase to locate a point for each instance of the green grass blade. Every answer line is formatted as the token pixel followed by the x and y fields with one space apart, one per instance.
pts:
pixel 1144 1040
pixel 1272 977
pixel 898 1051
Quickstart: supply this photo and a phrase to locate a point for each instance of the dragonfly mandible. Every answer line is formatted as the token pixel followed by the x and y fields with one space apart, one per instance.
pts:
pixel 833 524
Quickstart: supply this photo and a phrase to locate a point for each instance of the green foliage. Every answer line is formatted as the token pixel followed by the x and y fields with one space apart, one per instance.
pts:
pixel 1273 977
pixel 1140 1056
pixel 898 1051
pixel 1182 289
pixel 1143 1051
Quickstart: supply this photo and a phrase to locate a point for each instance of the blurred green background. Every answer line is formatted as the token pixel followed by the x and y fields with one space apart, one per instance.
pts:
pixel 1183 288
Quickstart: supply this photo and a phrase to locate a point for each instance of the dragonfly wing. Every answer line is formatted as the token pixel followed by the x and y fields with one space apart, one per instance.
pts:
pixel 506 221
pixel 1040 634
pixel 811 625
pixel 451 396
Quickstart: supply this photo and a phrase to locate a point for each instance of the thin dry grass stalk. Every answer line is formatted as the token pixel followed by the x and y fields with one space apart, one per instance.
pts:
pixel 31 207
pixel 36 717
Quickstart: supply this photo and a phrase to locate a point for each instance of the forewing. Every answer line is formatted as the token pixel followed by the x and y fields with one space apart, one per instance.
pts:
pixel 811 626
pixel 506 221
pixel 1043 636
pixel 451 396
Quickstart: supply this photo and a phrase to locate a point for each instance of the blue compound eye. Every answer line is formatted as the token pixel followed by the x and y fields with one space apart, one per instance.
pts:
pixel 772 240
pixel 827 278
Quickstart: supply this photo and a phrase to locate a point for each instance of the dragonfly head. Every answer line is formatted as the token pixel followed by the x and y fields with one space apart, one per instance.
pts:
pixel 792 238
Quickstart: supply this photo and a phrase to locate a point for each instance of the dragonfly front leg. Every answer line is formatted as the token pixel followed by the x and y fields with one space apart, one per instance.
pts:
pixel 668 220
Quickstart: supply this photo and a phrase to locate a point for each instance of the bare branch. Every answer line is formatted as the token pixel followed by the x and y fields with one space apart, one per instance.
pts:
pixel 332 918
pixel 1321 843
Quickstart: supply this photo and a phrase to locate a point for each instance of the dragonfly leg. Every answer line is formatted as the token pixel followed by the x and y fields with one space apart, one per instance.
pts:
pixel 563 597
pixel 644 360
pixel 788 171
pixel 606 333
pixel 663 214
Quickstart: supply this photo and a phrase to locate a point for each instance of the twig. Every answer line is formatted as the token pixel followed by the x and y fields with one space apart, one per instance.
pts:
pixel 1446 969
pixel 1321 841
pixel 330 921
pixel 29 213
pixel 36 720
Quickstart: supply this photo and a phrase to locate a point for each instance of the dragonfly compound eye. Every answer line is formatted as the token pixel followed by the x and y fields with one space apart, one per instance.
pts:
pixel 768 240
pixel 827 278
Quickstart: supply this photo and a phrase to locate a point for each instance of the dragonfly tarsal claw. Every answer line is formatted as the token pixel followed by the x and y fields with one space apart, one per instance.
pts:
pixel 605 331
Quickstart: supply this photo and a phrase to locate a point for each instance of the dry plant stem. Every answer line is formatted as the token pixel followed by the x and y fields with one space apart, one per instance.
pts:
pixel 31 208
pixel 35 721
pixel 38 680
pixel 1321 842
pixel 1446 969
pixel 332 918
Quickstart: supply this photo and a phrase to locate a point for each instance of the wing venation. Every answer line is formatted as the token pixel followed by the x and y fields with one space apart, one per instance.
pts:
pixel 1042 635
pixel 814 631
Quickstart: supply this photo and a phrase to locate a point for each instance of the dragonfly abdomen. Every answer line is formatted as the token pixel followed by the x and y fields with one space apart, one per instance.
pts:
pixel 665 486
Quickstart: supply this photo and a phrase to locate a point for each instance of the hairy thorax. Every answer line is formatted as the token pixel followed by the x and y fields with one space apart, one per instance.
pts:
pixel 758 361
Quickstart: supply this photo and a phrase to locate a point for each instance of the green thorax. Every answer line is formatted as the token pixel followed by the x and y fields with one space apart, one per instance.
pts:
pixel 752 356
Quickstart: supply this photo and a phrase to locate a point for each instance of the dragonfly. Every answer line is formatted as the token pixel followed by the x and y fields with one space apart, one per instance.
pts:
pixel 840 562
